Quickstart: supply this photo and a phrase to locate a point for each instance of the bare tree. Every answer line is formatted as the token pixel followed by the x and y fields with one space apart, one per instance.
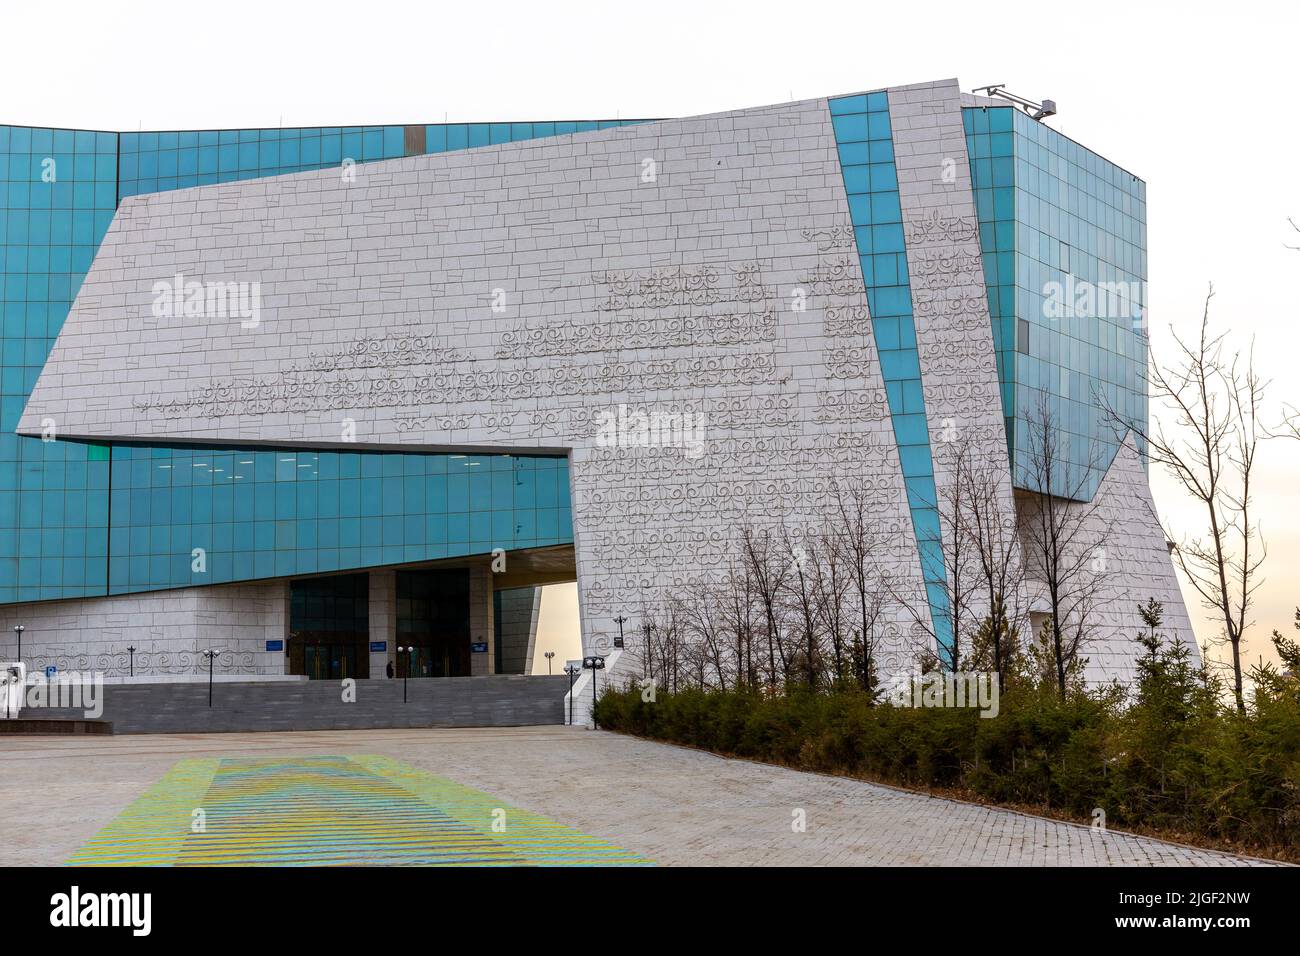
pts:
pixel 703 613
pixel 769 570
pixel 802 590
pixel 961 570
pixel 1207 442
pixel 740 614
pixel 663 644
pixel 995 540
pixel 946 634
pixel 1290 427
pixel 1060 534
pixel 649 643
pixel 831 582
pixel 860 540
pixel 671 645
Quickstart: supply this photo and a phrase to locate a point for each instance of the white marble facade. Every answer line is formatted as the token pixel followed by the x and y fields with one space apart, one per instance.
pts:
pixel 168 629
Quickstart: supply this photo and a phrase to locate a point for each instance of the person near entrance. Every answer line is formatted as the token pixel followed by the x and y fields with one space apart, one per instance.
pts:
pixel 390 670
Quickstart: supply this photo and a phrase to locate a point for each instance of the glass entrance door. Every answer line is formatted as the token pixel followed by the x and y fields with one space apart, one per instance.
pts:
pixel 433 617
pixel 329 627
pixel 330 661
pixel 437 657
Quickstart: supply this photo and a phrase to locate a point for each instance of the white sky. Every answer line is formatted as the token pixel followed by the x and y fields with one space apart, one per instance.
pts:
pixel 1196 98
pixel 557 628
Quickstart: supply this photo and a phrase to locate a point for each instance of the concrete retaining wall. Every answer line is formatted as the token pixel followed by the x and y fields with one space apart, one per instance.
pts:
pixel 498 701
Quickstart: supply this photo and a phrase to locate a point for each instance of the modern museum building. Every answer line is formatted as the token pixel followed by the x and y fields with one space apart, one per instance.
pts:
pixel 311 395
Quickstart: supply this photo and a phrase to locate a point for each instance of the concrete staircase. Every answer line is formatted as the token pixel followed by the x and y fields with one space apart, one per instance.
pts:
pixel 496 701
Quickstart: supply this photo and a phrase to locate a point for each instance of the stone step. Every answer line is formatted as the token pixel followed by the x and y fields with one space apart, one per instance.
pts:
pixel 497 701
pixel 46 725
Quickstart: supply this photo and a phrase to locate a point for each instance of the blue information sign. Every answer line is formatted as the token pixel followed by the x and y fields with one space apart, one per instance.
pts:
pixel 479 648
pixel 275 645
pixel 379 645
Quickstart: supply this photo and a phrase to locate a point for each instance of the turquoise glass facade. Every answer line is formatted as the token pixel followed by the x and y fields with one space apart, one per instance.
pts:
pixel 57 197
pixel 864 140
pixel 1063 234
pixel 990 148
pixel 275 513
pixel 59 190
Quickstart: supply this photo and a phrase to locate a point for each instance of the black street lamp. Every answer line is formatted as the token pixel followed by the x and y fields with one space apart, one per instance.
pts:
pixel 573 670
pixel 593 664
pixel 620 621
pixel 548 655
pixel 407 672
pixel 211 656
pixel 131 651
pixel 18 629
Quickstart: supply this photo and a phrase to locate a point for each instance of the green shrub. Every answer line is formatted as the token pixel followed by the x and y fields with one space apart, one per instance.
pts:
pixel 1166 755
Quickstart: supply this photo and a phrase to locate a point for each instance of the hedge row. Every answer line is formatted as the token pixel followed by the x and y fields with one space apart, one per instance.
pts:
pixel 1170 758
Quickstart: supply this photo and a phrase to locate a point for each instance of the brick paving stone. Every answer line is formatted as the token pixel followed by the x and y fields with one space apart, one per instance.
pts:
pixel 671 804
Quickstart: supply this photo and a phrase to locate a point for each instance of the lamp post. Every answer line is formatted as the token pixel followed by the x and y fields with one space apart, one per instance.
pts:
pixel 211 656
pixel 18 629
pixel 646 629
pixel 548 655
pixel 620 621
pixel 406 673
pixel 573 670
pixel 131 651
pixel 593 664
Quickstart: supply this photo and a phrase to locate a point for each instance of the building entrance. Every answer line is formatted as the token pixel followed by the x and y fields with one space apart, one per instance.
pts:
pixel 329 627
pixel 433 618
pixel 322 661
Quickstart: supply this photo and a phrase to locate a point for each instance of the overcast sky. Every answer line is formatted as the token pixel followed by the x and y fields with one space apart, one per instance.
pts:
pixel 1196 98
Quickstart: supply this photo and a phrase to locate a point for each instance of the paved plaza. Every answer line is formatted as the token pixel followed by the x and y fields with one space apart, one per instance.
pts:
pixel 557 794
